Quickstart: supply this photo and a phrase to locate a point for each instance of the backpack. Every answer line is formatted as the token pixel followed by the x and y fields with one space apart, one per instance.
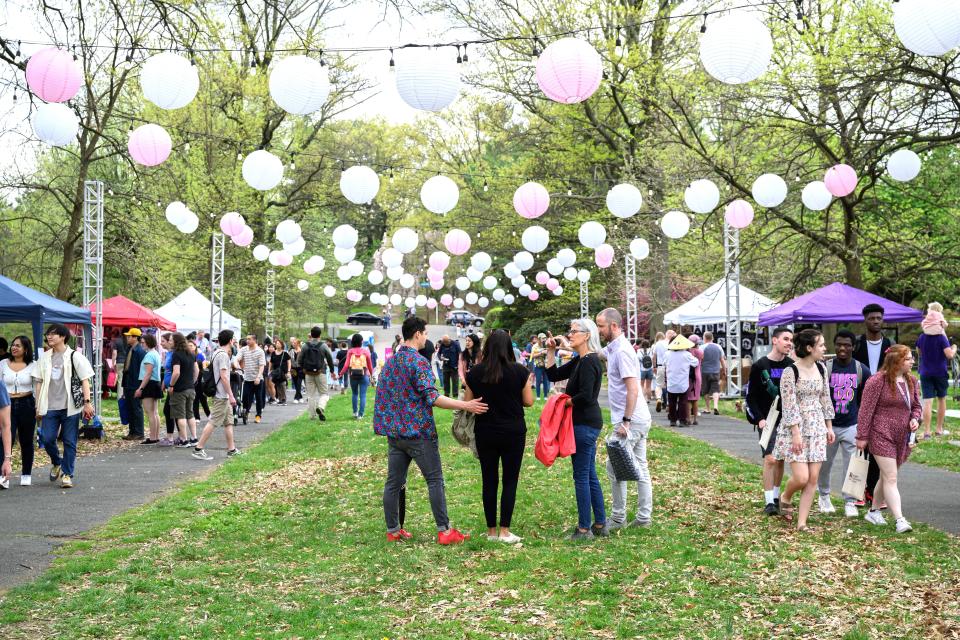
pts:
pixel 358 365
pixel 313 358
pixel 208 384
pixel 645 360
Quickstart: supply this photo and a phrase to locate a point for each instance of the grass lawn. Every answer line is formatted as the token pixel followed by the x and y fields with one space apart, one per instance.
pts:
pixel 287 542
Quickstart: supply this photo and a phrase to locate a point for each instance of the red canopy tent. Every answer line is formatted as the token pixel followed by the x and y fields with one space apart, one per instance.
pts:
pixel 119 311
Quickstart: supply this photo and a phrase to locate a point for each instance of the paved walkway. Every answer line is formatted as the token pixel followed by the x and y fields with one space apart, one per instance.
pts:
pixel 929 494
pixel 37 519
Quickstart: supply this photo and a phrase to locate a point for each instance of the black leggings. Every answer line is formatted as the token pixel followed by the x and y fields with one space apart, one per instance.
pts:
pixel 200 399
pixel 23 422
pixel 492 449
pixel 167 418
pixel 297 375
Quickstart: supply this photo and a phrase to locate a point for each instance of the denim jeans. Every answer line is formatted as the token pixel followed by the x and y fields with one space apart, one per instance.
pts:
pixel 540 379
pixel 50 425
pixel 426 453
pixel 134 412
pixel 585 481
pixel 359 388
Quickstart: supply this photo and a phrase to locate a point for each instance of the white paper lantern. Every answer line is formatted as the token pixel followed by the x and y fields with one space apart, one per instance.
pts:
pixel 329 291
pixel 344 255
pixel 261 252
pixel 343 272
pixel 736 48
pixel 639 248
pixel 927 27
pixel 472 298
pixel 288 231
pixel 702 196
pixel 314 264
pixel 675 224
pixel 274 258
pixel 474 275
pixel 395 273
pixel 55 124
pixel 583 275
pixel 462 283
pixel 299 85
pixel 391 257
pixel 554 267
pixel 169 80
pixel 481 261
pixel 359 184
pixel 558 291
pixel 570 273
pixel 439 194
pixel 483 302
pixel 190 224
pixel 395 299
pixel 409 302
pixel 535 239
pixel 567 257
pixel 903 165
pixel 405 240
pixel 458 303
pixel 420 300
pixel 355 267
pixel 375 277
pixel 176 213
pixel 508 299
pixel 769 190
pixel 262 170
pixel 354 296
pixel 816 196
pixel 427 79
pixel 303 285
pixel 523 260
pixel 407 281
pixel 498 294
pixel 296 247
pixel 345 237
pixel 489 283
pixel 624 200
pixel 591 235
pixel 511 270
pixel 524 290
pixel 518 281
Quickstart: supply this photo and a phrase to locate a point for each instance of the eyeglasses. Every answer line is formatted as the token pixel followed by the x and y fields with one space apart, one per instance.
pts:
pixel 575 331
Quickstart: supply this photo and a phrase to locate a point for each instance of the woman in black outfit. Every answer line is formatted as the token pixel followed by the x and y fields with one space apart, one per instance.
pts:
pixel 279 371
pixel 506 387
pixel 584 374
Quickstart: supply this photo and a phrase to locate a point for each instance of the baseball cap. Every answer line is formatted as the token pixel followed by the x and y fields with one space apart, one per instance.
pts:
pixel 134 332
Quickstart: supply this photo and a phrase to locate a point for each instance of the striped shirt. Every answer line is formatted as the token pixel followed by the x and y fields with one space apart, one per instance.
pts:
pixel 253 361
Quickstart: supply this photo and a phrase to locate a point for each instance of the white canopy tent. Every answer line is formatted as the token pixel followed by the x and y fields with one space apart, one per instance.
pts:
pixel 710 307
pixel 191 311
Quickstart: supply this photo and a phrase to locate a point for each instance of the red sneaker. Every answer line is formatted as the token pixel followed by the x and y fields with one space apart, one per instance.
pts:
pixel 406 534
pixel 451 536
pixel 398 536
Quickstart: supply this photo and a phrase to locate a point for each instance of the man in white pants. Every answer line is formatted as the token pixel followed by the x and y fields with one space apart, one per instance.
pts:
pixel 631 419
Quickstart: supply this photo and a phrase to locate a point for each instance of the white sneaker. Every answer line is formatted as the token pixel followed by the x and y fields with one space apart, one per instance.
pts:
pixel 493 538
pixel 825 505
pixel 514 538
pixel 25 481
pixel 4 482
pixel 850 510
pixel 903 526
pixel 875 517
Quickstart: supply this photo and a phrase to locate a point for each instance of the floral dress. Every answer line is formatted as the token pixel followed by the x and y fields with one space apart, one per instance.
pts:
pixel 807 403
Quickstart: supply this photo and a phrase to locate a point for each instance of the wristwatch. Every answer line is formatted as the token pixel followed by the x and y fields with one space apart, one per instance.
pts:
pixel 625 420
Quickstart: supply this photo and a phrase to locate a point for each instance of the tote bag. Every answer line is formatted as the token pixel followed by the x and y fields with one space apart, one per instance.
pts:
pixel 855 482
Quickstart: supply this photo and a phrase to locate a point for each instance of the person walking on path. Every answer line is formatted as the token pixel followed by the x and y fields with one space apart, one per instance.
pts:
pixel 763 388
pixel 501 431
pixel 538 357
pixel 807 426
pixel 58 407
pixel 199 397
pixel 888 421
pixel 221 414
pixel 846 378
pixel 183 379
pixel 17 373
pixel 696 380
pixel 660 366
pixel 678 369
pixel 316 360
pixel 936 352
pixel 403 413
pixel 131 382
pixel 358 365
pixel 166 354
pixel 150 390
pixel 870 350
pixel 280 367
pixel 449 354
pixel 713 363
pixel 630 418
pixel 645 356
pixel 253 362
pixel 584 374
pixel 296 370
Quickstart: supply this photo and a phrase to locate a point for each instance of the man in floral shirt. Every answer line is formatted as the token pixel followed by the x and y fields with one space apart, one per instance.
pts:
pixel 403 412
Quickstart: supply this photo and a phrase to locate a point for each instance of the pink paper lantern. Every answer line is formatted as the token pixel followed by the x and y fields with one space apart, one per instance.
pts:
pixel 534 296
pixel 53 75
pixel 431 304
pixel 284 259
pixel 434 274
pixel 149 145
pixel 446 299
pixel 531 200
pixel 738 214
pixel 436 285
pixel 552 284
pixel 439 261
pixel 569 70
pixel 542 277
pixel 232 223
pixel 603 256
pixel 841 180
pixel 244 238
pixel 457 242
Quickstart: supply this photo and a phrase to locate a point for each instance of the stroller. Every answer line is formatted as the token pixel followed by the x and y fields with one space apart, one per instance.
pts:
pixel 236 383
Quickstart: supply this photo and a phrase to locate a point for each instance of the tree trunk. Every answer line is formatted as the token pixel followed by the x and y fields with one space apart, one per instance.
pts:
pixel 73 237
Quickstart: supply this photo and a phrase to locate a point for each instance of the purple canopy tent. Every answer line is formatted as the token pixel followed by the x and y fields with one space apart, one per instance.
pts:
pixel 836 302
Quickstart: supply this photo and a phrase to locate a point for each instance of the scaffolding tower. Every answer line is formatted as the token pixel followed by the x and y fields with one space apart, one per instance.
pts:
pixel 217 254
pixel 93 279
pixel 632 322
pixel 270 319
pixel 731 265
pixel 584 300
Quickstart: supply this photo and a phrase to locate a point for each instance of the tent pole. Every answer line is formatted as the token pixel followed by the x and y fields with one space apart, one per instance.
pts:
pixel 271 293
pixel 216 284
pixel 731 283
pixel 584 300
pixel 632 327
pixel 93 279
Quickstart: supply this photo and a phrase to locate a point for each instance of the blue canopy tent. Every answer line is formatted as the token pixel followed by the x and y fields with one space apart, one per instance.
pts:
pixel 19 303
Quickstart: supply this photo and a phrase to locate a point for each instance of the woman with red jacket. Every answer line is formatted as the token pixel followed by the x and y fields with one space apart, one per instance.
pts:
pixel 889 416
pixel 360 367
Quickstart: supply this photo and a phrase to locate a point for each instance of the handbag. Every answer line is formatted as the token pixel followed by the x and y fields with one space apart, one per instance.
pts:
pixel 621 460
pixel 464 423
pixel 772 416
pixel 76 386
pixel 855 482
